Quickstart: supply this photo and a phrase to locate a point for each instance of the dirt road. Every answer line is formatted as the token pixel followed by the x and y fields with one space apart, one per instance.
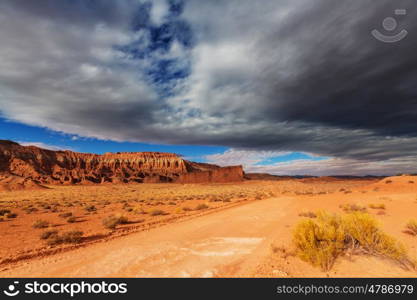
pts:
pixel 227 243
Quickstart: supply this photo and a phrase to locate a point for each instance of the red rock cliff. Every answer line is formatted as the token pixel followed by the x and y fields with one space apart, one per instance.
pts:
pixel 221 175
pixel 67 167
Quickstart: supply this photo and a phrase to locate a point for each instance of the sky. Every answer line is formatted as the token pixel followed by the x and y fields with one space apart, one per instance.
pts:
pixel 287 87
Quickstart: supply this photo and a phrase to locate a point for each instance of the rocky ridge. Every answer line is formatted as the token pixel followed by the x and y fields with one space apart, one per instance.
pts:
pixel 42 166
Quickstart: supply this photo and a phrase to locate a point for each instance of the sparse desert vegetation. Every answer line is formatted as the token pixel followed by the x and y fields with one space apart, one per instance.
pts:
pixel 97 209
pixel 359 224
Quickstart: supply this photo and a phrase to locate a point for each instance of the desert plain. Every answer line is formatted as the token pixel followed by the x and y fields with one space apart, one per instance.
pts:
pixel 238 229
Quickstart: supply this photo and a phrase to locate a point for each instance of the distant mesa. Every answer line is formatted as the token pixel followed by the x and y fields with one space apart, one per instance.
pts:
pixel 31 167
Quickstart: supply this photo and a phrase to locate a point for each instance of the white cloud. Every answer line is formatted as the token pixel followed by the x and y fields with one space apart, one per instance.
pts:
pixel 246 158
pixel 324 167
pixel 338 166
pixel 45 146
pixel 63 69
pixel 159 11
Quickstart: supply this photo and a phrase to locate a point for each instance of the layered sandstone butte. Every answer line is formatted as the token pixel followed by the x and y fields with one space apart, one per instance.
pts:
pixel 223 175
pixel 67 167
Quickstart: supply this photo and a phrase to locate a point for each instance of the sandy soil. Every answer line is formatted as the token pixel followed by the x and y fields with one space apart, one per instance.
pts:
pixel 249 236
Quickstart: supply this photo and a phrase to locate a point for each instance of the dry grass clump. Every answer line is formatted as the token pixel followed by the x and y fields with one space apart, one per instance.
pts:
pixel 71 219
pixel 308 214
pixel 70 237
pixel 349 208
pixel 282 251
pixel 40 224
pixel 65 215
pixel 157 212
pixel 4 212
pixel 411 227
pixel 178 210
pixel 201 206
pixel 11 215
pixel 321 241
pixel 90 208
pixel 48 233
pixel 112 221
pixel 377 206
pixel 30 209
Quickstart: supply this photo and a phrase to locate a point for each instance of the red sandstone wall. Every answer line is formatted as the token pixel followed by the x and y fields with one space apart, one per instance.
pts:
pixel 220 175
pixel 67 167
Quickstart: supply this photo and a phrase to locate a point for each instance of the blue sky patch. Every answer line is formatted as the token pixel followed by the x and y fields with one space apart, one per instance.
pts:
pixel 290 157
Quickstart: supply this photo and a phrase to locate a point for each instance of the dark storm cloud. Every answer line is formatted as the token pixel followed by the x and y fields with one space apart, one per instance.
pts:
pixel 346 78
pixel 75 11
pixel 272 75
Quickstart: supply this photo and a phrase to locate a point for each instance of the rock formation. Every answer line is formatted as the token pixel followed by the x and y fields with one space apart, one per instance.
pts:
pixel 226 174
pixel 67 167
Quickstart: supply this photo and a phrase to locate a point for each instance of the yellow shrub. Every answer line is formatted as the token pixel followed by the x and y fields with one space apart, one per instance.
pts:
pixel 348 208
pixel 321 241
pixel 412 227
pixel 363 231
